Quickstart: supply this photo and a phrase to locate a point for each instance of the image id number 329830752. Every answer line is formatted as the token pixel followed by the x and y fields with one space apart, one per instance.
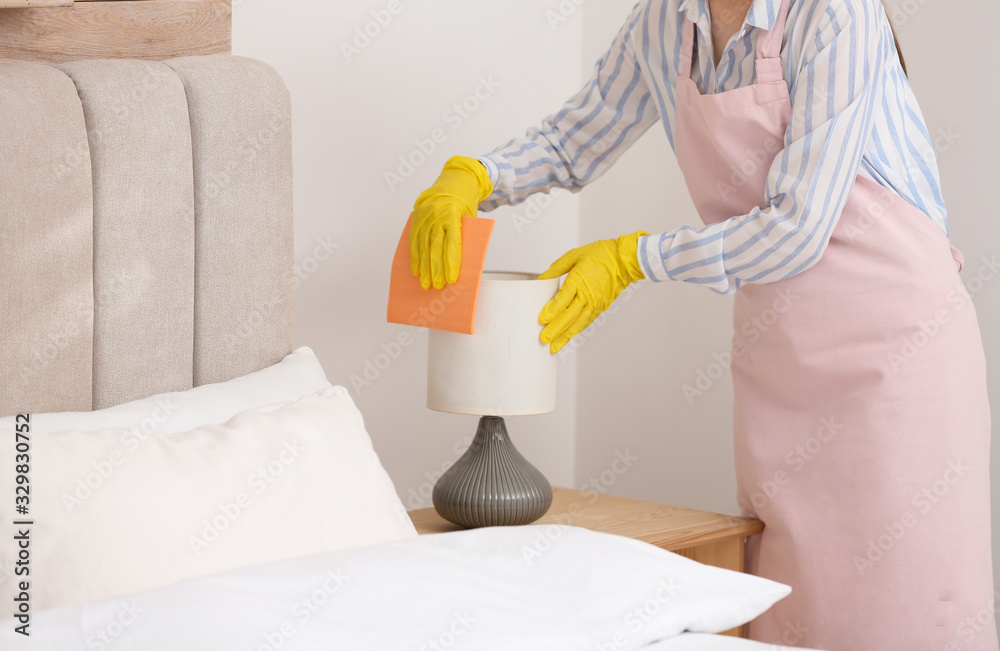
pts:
pixel 22 523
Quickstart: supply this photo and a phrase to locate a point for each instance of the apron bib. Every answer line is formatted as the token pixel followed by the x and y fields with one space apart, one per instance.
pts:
pixel 861 420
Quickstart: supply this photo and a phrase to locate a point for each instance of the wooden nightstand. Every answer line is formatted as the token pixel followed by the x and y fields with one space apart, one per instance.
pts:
pixel 709 538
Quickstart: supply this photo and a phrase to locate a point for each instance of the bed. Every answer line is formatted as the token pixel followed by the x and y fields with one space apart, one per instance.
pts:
pixel 175 475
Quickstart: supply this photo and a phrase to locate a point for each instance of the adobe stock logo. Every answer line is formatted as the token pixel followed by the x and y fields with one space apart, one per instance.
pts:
pixel 454 116
pixel 883 541
pixel 375 366
pixel 365 34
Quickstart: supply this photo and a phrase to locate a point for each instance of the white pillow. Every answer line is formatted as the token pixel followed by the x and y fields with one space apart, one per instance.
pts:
pixel 297 375
pixel 532 588
pixel 115 513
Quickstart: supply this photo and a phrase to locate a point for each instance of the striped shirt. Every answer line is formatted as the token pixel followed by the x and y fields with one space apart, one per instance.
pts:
pixel 853 110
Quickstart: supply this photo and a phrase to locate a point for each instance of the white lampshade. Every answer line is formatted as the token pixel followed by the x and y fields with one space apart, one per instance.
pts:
pixel 503 369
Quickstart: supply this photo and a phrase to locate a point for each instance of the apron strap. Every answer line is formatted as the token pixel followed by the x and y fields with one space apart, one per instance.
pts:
pixel 687 48
pixel 768 60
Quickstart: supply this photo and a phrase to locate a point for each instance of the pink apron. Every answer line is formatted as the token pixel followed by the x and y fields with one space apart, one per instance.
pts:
pixel 861 417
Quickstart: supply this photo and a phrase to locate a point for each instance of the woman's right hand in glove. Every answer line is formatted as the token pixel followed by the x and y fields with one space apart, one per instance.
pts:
pixel 436 226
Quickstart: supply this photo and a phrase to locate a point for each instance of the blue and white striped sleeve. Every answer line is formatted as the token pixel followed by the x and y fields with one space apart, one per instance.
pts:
pixel 580 142
pixel 841 70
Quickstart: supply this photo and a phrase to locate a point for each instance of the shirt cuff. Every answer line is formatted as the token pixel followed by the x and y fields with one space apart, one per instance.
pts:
pixel 491 168
pixel 649 251
pixel 503 179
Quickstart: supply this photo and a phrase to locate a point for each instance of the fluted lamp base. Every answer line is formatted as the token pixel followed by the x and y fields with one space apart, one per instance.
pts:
pixel 492 485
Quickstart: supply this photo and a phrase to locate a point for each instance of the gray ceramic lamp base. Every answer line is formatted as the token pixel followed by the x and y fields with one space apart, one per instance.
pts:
pixel 492 485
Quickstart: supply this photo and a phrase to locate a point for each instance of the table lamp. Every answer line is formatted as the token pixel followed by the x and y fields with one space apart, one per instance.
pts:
pixel 500 370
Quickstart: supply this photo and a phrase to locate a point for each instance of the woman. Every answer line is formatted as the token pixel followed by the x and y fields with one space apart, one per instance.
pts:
pixel 861 417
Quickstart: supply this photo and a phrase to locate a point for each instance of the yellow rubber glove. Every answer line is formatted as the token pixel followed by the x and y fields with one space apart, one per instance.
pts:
pixel 598 273
pixel 436 227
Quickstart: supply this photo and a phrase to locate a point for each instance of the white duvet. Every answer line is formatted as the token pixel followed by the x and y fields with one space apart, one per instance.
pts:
pixel 705 642
pixel 519 588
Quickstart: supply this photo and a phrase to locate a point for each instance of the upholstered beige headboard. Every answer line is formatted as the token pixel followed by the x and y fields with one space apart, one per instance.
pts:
pixel 145 228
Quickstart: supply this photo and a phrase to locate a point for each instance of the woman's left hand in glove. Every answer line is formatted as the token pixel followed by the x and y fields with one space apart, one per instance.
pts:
pixel 596 274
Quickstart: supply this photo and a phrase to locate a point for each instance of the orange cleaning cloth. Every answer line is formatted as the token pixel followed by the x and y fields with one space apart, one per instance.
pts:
pixel 452 308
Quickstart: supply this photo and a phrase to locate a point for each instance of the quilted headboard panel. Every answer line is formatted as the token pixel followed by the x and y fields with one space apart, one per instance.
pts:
pixel 145 228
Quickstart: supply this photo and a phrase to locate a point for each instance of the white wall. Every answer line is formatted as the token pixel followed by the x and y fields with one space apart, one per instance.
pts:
pixel 351 120
pixel 631 373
